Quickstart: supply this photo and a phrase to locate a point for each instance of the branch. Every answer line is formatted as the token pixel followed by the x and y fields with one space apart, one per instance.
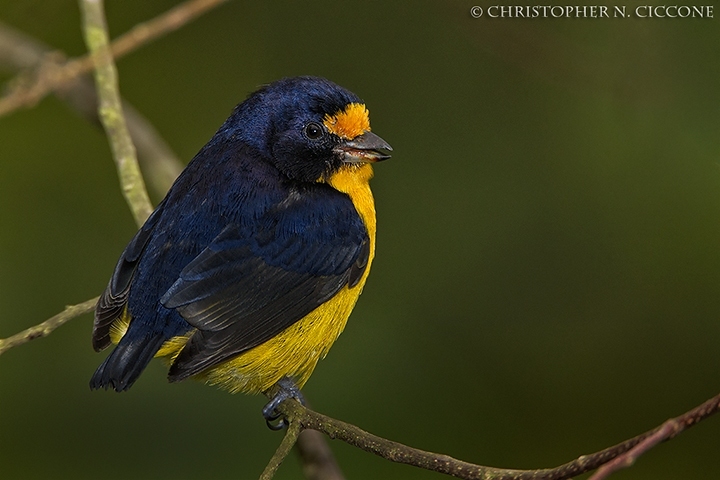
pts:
pixel 55 75
pixel 158 162
pixel 628 458
pixel 625 452
pixel 316 458
pixel 161 166
pixel 110 109
pixel 291 437
pixel 45 328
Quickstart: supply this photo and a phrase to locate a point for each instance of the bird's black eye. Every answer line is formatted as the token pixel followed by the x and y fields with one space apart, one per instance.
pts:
pixel 313 131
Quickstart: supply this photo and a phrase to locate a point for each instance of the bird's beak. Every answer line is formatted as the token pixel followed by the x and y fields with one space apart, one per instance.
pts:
pixel 365 148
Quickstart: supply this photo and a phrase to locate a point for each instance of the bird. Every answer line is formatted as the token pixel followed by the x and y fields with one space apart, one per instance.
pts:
pixel 247 271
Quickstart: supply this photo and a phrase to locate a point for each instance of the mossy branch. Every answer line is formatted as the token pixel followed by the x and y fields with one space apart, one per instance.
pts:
pixel 110 110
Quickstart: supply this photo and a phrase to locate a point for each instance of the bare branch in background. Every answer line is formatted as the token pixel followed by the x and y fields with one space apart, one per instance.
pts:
pixel 27 92
pixel 160 165
pixel 45 328
pixel 318 461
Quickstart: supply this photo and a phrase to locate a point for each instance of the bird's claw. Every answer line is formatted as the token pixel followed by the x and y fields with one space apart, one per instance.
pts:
pixel 276 426
pixel 286 389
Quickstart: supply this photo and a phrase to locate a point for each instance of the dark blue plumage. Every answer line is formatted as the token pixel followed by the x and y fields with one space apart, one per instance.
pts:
pixel 246 242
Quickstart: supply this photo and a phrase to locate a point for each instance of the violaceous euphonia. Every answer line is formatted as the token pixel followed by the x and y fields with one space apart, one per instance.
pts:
pixel 246 272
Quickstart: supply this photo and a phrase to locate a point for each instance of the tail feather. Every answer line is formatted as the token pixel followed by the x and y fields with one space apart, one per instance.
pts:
pixel 125 364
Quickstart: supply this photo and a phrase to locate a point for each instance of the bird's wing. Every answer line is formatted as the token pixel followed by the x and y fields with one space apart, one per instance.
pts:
pixel 251 283
pixel 111 304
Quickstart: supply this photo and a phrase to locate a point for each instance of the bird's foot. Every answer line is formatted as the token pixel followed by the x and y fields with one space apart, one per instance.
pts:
pixel 286 389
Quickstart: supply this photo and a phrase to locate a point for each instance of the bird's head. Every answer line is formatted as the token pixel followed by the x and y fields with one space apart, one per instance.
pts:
pixel 309 128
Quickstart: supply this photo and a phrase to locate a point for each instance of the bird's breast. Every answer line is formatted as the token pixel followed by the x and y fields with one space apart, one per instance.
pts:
pixel 296 350
pixel 353 180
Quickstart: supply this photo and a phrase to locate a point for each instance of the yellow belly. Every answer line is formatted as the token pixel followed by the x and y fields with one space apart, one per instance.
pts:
pixel 295 351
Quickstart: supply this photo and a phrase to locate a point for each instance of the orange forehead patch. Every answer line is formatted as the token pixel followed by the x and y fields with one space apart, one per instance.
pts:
pixel 351 122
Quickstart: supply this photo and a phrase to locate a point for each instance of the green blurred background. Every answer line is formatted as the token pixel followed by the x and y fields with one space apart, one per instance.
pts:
pixel 546 282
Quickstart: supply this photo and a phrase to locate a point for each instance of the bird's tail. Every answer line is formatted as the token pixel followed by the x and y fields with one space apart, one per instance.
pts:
pixel 125 364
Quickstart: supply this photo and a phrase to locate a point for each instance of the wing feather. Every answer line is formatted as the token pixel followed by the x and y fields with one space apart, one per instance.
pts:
pixel 112 302
pixel 246 287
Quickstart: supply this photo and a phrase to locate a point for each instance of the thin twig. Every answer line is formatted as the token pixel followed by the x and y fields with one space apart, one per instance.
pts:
pixel 159 164
pixel 110 109
pixel 44 329
pixel 169 21
pixel 282 451
pixel 55 76
pixel 400 453
pixel 628 458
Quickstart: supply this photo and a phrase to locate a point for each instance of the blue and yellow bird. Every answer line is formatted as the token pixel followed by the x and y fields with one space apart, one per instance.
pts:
pixel 248 269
